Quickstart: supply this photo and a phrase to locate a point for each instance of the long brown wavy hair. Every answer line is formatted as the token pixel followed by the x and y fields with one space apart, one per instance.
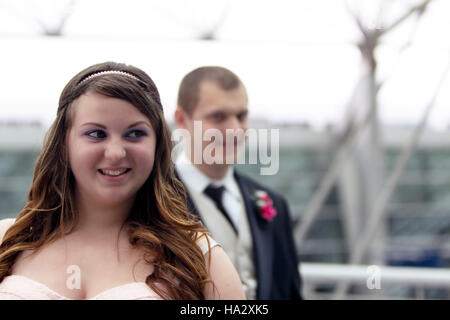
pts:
pixel 159 221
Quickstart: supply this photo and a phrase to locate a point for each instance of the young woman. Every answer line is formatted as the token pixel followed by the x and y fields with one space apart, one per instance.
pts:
pixel 105 217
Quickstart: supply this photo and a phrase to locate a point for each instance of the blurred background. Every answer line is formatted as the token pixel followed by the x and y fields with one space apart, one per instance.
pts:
pixel 358 89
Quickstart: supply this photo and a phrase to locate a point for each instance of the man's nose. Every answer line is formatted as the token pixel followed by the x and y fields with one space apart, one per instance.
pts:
pixel 235 130
pixel 115 150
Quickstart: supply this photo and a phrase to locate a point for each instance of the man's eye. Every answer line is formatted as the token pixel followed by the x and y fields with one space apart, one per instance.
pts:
pixel 242 117
pixel 97 134
pixel 217 116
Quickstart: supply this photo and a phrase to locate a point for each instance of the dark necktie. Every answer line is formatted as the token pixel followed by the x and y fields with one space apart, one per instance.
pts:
pixel 216 194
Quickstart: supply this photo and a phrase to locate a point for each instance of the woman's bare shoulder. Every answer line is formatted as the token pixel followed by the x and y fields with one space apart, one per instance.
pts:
pixel 205 242
pixel 226 282
pixel 4 225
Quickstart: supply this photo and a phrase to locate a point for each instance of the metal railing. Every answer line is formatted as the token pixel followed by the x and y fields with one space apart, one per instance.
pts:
pixel 373 282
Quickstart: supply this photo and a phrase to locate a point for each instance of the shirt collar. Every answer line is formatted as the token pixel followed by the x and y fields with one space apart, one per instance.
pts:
pixel 198 181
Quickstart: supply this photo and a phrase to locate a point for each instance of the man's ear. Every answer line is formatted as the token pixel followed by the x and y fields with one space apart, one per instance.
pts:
pixel 180 118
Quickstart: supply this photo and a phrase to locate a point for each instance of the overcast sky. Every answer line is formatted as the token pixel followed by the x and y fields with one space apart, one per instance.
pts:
pixel 298 58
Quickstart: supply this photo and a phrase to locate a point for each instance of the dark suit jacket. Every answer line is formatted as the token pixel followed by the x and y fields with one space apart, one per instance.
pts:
pixel 275 255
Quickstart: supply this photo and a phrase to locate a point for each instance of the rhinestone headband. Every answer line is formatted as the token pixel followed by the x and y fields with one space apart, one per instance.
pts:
pixel 109 72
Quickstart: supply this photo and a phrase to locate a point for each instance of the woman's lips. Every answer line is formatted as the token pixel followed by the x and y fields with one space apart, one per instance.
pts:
pixel 114 174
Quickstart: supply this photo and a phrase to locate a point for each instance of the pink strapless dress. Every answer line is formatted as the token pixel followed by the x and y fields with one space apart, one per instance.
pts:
pixel 17 287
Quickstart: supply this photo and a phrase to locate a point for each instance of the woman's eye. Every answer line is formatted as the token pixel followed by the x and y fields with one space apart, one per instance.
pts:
pixel 135 134
pixel 97 134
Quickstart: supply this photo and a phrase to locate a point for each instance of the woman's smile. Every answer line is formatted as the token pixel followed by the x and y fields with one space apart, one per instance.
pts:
pixel 114 174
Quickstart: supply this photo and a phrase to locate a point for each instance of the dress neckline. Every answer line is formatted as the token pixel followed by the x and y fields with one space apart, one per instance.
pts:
pixel 45 287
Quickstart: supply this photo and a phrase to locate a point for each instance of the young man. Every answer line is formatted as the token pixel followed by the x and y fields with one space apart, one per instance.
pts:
pixel 212 104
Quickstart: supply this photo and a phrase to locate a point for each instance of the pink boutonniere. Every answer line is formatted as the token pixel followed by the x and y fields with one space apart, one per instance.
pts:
pixel 265 205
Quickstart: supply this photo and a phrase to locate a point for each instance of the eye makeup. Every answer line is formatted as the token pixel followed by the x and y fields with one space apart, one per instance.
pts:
pixel 95 134
pixel 133 134
pixel 136 134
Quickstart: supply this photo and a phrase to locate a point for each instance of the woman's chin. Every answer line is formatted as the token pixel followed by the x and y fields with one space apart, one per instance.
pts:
pixel 114 200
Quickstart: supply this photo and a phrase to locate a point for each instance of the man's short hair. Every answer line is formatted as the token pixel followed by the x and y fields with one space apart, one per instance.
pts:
pixel 188 93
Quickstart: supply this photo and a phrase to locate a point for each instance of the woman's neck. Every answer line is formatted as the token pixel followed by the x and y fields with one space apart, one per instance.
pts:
pixel 98 218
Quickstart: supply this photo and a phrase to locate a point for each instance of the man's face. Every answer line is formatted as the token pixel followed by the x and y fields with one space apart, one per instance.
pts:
pixel 222 110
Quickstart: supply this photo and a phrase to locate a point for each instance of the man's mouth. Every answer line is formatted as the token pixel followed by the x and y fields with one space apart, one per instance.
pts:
pixel 115 172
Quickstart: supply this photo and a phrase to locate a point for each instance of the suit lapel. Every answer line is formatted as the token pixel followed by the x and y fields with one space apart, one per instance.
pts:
pixel 191 206
pixel 262 240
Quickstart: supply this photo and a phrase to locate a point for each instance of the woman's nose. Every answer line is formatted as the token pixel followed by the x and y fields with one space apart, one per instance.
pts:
pixel 115 151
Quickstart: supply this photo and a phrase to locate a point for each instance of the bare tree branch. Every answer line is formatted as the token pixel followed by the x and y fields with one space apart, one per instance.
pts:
pixel 381 8
pixel 58 29
pixel 357 20
pixel 420 9
pixel 210 34
pixel 205 33
pixel 403 48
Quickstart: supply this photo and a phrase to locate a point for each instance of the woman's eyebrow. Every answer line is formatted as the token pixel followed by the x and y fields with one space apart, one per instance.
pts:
pixel 138 123
pixel 93 124
pixel 103 127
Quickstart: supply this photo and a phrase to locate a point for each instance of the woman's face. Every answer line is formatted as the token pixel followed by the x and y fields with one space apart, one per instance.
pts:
pixel 111 147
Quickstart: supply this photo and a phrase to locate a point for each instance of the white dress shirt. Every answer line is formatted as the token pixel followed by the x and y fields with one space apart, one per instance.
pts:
pixel 232 199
